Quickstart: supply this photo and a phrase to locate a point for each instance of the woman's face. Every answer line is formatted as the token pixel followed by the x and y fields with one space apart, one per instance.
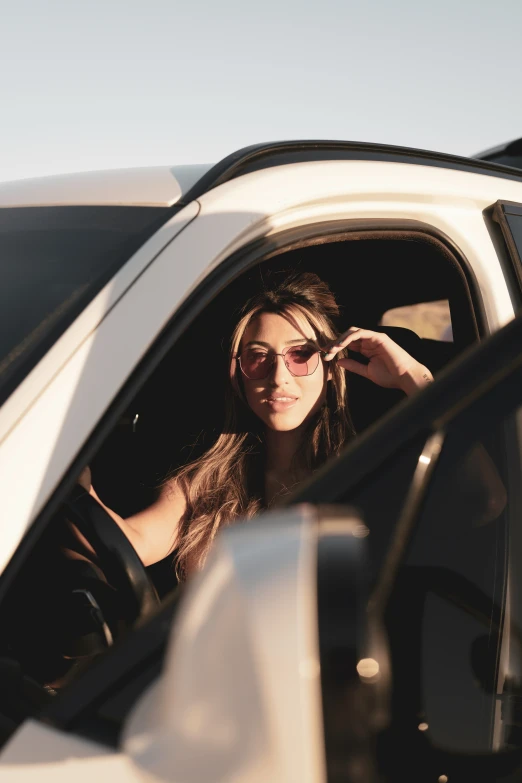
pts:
pixel 281 400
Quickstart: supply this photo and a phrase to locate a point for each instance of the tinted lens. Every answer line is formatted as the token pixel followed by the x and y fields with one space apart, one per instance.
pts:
pixel 302 360
pixel 255 364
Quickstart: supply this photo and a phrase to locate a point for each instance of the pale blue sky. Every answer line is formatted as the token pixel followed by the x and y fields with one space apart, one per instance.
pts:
pixel 115 83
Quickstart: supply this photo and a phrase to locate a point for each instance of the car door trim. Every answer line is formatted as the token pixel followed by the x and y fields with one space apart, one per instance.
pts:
pixel 261 156
pixel 500 210
pixel 218 278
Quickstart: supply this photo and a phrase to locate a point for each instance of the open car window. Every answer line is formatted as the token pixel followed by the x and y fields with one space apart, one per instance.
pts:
pixel 161 424
pixel 431 320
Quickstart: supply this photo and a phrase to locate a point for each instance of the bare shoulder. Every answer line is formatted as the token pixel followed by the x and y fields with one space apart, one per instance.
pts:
pixel 158 525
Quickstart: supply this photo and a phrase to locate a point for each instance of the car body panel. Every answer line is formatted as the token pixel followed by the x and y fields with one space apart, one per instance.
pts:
pixel 249 617
pixel 231 216
pixel 54 413
pixel 56 757
pixel 187 176
pixel 248 628
pixel 69 406
pixel 147 187
pixel 453 202
pixel 272 154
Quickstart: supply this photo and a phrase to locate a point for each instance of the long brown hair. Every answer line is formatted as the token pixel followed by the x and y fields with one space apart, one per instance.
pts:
pixel 227 482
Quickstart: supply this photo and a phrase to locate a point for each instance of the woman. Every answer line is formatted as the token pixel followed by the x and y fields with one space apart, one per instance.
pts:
pixel 286 415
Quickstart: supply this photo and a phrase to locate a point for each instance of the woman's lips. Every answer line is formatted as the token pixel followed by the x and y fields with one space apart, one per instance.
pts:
pixel 280 403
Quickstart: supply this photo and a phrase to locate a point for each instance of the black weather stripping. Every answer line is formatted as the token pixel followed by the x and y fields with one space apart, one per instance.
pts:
pixel 262 156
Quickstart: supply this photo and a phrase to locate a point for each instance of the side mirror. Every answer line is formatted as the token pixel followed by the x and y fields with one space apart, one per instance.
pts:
pixel 274 671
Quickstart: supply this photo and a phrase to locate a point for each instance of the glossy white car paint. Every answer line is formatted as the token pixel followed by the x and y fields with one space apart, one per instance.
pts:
pixel 268 201
pixel 44 440
pixel 230 216
pixel 239 698
pixel 254 705
pixel 41 754
pixel 161 186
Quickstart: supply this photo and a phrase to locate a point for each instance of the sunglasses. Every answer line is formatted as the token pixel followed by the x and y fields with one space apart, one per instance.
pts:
pixel 256 364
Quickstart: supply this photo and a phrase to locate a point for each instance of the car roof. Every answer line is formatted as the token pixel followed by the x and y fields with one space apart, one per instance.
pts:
pixel 175 186
pixel 158 186
pixel 261 156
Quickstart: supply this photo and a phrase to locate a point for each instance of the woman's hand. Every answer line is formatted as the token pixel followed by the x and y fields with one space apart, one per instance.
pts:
pixel 389 365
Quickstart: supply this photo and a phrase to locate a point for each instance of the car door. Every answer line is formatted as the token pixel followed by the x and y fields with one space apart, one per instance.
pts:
pixel 445 560
pixel 232 219
pixel 437 487
pixel 78 404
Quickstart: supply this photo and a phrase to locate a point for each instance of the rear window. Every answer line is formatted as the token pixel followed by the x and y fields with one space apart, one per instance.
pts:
pixel 430 320
pixel 53 261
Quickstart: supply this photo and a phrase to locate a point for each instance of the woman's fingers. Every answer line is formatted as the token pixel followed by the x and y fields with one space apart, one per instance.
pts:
pixel 353 366
pixel 340 343
pixel 389 365
pixel 353 335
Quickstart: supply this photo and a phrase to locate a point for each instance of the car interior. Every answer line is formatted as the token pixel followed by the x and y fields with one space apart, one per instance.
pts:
pixel 173 418
pixel 63 608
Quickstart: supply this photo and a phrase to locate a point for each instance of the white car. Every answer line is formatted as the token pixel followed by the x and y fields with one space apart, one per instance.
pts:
pixel 368 631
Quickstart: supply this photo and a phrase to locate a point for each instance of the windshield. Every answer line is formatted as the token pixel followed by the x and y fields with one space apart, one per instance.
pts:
pixel 53 261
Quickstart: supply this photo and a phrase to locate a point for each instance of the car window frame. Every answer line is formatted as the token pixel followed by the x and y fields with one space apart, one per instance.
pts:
pixel 217 278
pixel 394 434
pixel 501 213
pixel 80 707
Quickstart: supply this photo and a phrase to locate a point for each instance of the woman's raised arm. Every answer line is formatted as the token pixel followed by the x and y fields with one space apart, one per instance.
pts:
pixel 389 365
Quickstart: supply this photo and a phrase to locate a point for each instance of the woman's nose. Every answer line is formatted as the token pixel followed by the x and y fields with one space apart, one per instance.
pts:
pixel 279 373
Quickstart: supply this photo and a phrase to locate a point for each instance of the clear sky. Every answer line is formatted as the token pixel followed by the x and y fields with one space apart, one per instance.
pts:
pixel 90 84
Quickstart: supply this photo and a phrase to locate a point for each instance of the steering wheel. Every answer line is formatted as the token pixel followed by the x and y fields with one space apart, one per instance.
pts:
pixel 112 593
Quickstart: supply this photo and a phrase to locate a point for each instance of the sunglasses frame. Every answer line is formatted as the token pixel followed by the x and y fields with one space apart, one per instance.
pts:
pixel 283 354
